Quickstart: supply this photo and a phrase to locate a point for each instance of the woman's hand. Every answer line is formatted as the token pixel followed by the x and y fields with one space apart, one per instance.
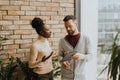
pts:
pixel 45 58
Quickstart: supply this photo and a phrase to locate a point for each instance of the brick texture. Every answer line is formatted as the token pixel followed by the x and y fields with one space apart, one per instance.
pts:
pixel 15 18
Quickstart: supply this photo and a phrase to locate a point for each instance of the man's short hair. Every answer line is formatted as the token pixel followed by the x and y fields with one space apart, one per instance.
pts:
pixel 69 17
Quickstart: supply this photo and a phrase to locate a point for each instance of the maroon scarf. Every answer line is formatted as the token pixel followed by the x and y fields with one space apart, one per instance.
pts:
pixel 73 39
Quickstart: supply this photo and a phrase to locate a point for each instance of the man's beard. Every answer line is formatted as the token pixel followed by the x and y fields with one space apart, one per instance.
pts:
pixel 71 32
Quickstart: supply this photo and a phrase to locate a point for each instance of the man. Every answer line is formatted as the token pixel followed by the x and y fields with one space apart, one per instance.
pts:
pixel 74 51
pixel 40 57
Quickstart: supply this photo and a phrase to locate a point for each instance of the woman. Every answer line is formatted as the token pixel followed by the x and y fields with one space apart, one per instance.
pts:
pixel 40 57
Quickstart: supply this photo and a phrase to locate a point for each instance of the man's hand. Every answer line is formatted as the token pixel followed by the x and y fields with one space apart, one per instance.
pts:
pixel 66 65
pixel 75 56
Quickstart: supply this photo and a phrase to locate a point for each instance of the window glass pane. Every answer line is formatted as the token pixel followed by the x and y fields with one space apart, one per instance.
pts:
pixel 108 18
pixel 108 24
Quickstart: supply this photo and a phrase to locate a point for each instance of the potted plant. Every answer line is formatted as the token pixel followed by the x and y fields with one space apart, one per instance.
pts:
pixel 25 68
pixel 7 71
pixel 56 67
pixel 114 63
